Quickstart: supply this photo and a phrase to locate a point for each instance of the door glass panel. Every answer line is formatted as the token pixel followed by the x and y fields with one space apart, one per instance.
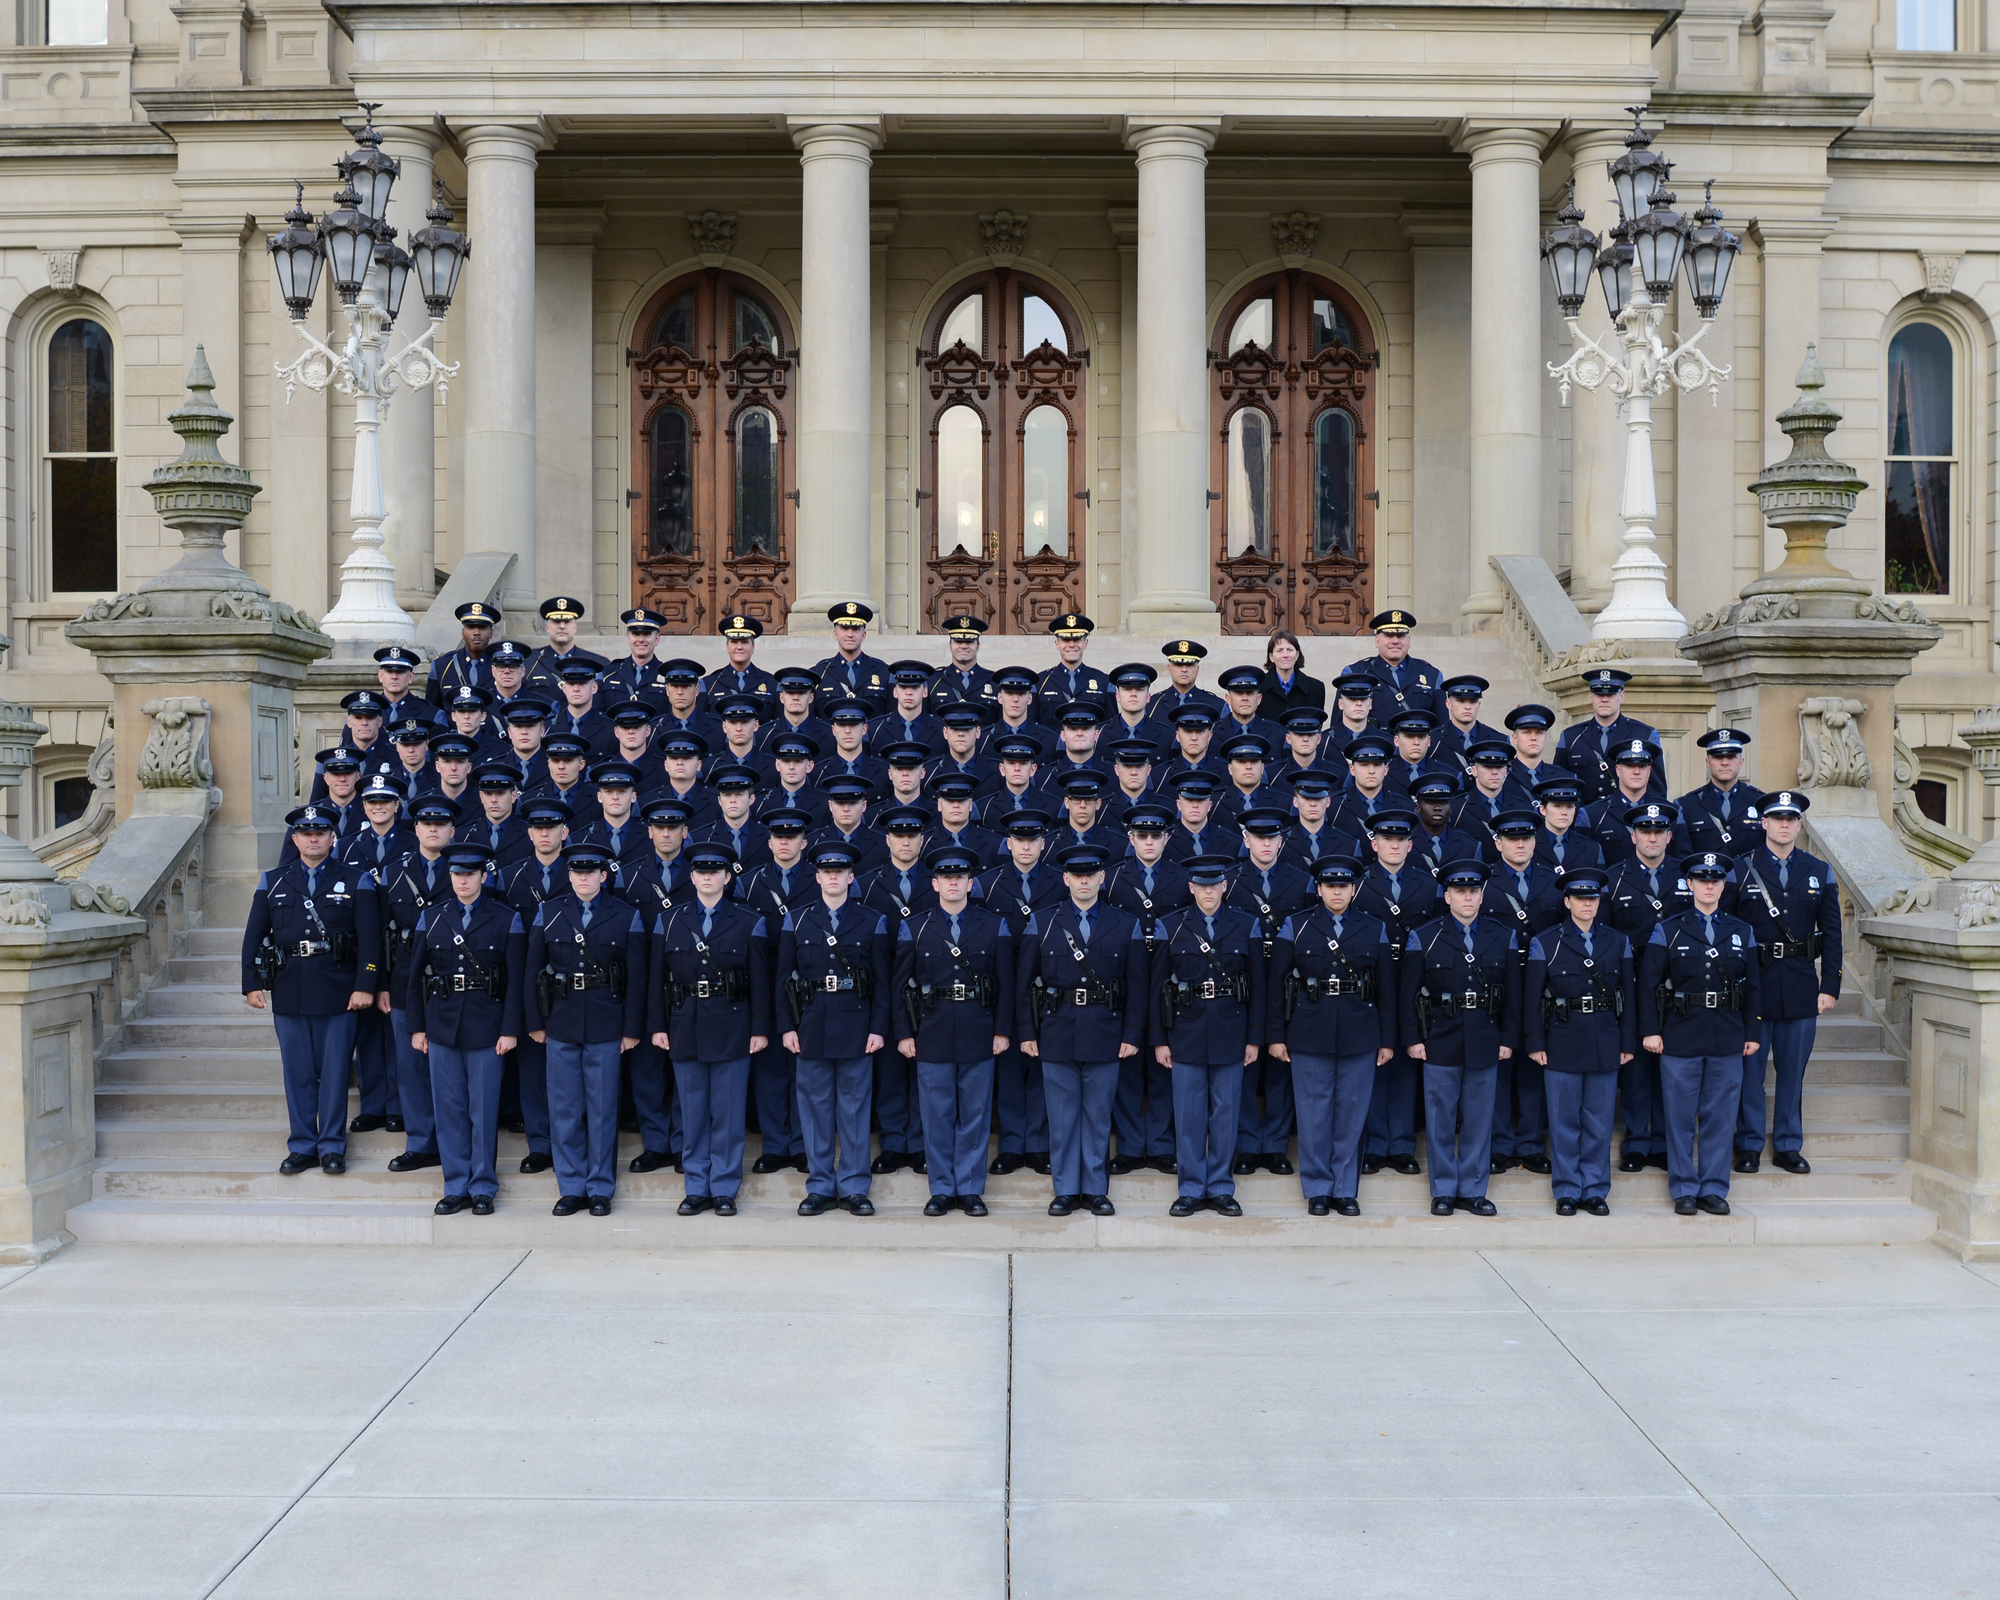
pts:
pixel 1249 467
pixel 676 324
pixel 965 322
pixel 757 483
pixel 1045 481
pixel 80 389
pixel 754 323
pixel 961 500
pixel 672 484
pixel 1333 484
pixel 1330 326
pixel 1253 326
pixel 1039 322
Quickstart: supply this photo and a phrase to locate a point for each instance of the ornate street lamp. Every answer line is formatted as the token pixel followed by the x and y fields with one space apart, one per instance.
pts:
pixel 295 252
pixel 1571 252
pixel 1711 252
pixel 439 251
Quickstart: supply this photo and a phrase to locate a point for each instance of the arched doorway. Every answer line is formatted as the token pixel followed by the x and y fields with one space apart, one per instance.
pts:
pixel 1292 464
pixel 1002 473
pixel 712 497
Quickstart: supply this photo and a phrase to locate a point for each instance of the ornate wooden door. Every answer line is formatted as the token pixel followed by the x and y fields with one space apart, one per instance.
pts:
pixel 1292 497
pixel 712 474
pixel 1000 497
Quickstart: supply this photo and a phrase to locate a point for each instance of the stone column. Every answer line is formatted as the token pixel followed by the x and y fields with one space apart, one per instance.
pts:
pixel 408 435
pixel 499 379
pixel 1507 373
pixel 1440 332
pixel 1171 402
pixel 1597 433
pixel 835 561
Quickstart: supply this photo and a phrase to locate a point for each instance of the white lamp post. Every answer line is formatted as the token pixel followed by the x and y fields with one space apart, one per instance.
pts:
pixel 1636 273
pixel 370 274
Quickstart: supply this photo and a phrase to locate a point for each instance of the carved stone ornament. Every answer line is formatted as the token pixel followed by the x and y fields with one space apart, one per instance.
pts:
pixel 1763 608
pixel 1597 650
pixel 1940 273
pixel 62 269
pixel 176 753
pixel 98 897
pixel 1295 234
pixel 126 605
pixel 1831 754
pixel 1912 900
pixel 242 606
pixel 1003 233
pixel 713 235
pixel 1880 608
pixel 22 907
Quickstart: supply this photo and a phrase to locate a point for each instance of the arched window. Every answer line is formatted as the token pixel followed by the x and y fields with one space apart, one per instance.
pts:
pixel 711 453
pixel 1921 493
pixel 80 462
pixel 1292 470
pixel 1002 526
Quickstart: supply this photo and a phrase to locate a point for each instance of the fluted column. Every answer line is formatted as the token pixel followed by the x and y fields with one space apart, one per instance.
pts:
pixel 409 432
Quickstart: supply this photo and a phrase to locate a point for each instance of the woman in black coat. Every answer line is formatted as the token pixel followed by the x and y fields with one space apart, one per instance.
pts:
pixel 1285 684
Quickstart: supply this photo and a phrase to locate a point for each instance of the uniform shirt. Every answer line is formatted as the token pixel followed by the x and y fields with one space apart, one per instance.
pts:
pixel 411 708
pixel 1638 898
pixel 1353 949
pixel 864 678
pixel 1727 823
pixel 373 851
pixel 751 842
pixel 349 820
pixel 1446 961
pixel 1449 744
pixel 1435 851
pixel 1586 749
pixel 694 944
pixel 1699 957
pixel 403 889
pixel 931 951
pixel 726 680
pixel 1408 685
pixel 1604 821
pixel 543 679
pixel 1150 894
pixel 1163 705
pixel 1408 901
pixel 1563 855
pixel 455 670
pixel 303 910
pixel 603 939
pixel 459 951
pixel 963 686
pixel 1567 964
pixel 1787 903
pixel 628 679
pixel 1100 952
pixel 1526 907
pixel 898 895
pixel 1192 949
pixel 850 946
pixel 923 729
pixel 1267 898
pixel 1062 687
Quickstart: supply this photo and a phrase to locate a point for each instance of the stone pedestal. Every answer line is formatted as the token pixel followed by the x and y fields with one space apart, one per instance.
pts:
pixel 1666 691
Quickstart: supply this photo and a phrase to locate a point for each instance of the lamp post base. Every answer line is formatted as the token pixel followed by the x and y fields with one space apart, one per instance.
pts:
pixel 367 607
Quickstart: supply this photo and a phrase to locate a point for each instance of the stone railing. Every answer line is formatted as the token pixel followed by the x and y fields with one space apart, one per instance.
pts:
pixel 1538 623
pixel 71 848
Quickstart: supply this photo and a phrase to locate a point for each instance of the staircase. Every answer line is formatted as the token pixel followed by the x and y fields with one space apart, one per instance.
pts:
pixel 191 1128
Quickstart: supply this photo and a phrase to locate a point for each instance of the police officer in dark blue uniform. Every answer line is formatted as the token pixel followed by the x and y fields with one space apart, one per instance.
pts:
pixel 403 890
pixel 1525 897
pixel 395 668
pixel 1791 899
pixel 1588 748
pixel 1635 780
pixel 538 876
pixel 1267 888
pixel 1580 1022
pixel 1459 1014
pixel 1069 682
pixel 776 888
pixel 708 1004
pixel 850 673
pixel 1403 682
pixel 833 974
pixel 462 997
pixel 739 675
pixel 1489 789
pixel 1436 842
pixel 953 1016
pixel 654 886
pixel 1562 845
pixel 1025 880
pixel 1721 816
pixel 637 675
pixel 899 887
pixel 1400 894
pixel 560 615
pixel 1152 886
pixel 1014 693
pixel 467 664
pixel 1243 697
pixel 1184 659
pixel 1206 992
pixel 962 681
pixel 1080 1004
pixel 312 956
pixel 1698 1003
pixel 1461 728
pixel 1645 889
pixel 1331 1000
pixel 586 1001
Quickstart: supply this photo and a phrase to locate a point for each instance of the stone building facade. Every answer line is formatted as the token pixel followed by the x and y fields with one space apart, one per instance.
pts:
pixel 1211 317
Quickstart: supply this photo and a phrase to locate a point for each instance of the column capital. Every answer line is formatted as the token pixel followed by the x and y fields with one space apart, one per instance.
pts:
pixel 1514 141
pixel 529 136
pixel 197 228
pixel 1142 133
pixel 865 133
pixel 1792 235
pixel 417 135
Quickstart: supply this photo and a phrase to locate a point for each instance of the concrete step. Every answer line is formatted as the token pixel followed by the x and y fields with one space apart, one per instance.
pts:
pixel 1829 1067
pixel 1867 1141
pixel 193 1102
pixel 167 1069
pixel 223 999
pixel 215 942
pixel 238 1030
pixel 1837 1032
pixel 653 1225
pixel 227 969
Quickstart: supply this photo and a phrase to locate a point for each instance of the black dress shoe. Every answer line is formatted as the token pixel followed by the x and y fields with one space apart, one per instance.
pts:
pixel 815 1205
pixel 629 1124
pixel 482 1205
pixel 1565 1208
pixel 1062 1205
pixel 938 1205
pixel 1631 1161
pixel 890 1161
pixel 1281 1165
pixel 368 1122
pixel 1004 1164
pixel 972 1205
pixel 1537 1164
pixel 858 1205
pixel 1657 1159
pixel 1406 1165
pixel 1347 1206
pixel 648 1161
pixel 725 1205
pixel 1039 1163
pixel 1714 1205
pixel 1370 1165
pixel 600 1205
pixel 414 1160
pixel 920 1164
pixel 677 1162
pixel 1479 1206
pixel 513 1124
pixel 1120 1165
pixel 1747 1161
pixel 568 1205
pixel 1684 1206
pixel 1790 1161
pixel 451 1205
pixel 765 1164
pixel 393 1123
pixel 1100 1205
pixel 537 1161
pixel 800 1164
pixel 1318 1206
pixel 335 1165
pixel 1442 1206
pixel 1599 1207
pixel 1226 1205
pixel 693 1206
pixel 1184 1206
pixel 292 1166
pixel 1165 1164
pixel 1499 1164
pixel 1243 1164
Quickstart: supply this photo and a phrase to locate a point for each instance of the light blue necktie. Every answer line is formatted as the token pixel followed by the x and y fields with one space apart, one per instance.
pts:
pixel 1265 879
pixel 1589 949
pixel 546 870
pixel 1395 888
pixel 1338 931
pixel 833 922
pixel 1083 925
pixel 465 920
pixel 312 882
pixel 707 921
pixel 586 913
pixel 1149 883
pixel 1521 881
pixel 1468 942
pixel 1557 849
pixel 1784 875
pixel 954 930
pixel 1653 881
pixel 1708 929
pixel 1209 923
pixel 903 880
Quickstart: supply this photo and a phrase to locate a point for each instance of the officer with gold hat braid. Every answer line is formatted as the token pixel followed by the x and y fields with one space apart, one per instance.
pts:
pixel 739 675
pixel 638 676
pixel 963 681
pixel 850 673
pixel 467 665
pixel 1184 659
pixel 543 679
pixel 1069 682
pixel 1403 682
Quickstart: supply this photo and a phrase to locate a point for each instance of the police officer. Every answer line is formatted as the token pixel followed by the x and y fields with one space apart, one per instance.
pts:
pixel 1080 1005
pixel 1151 886
pixel 1791 899
pixel 1645 889
pixel 962 681
pixel 833 972
pixel 1721 816
pixel 782 884
pixel 1561 845
pixel 1580 1022
pixel 462 998
pixel 1207 999
pixel 739 675
pixel 850 673
pixel 467 665
pixel 585 1001
pixel 1026 880
pixel 404 889
pixel 637 676
pixel 1331 998
pixel 1400 894
pixel 1184 658
pixel 1402 682
pixel 312 956
pixel 708 1004
pixel 1069 682
pixel 1588 748
pixel 1699 998
pixel 1267 889
pixel 1524 896
pixel 560 615
pixel 899 887
pixel 525 885
pixel 1459 1014
pixel 655 886
pixel 1635 780
pixel 1461 728
pixel 395 670
pixel 953 1016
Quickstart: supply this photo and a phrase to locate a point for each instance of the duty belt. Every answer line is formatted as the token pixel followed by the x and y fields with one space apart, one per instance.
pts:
pixel 578 981
pixel 1779 949
pixel 833 985
pixel 308 947
pixel 1084 994
pixel 1211 988
pixel 1333 988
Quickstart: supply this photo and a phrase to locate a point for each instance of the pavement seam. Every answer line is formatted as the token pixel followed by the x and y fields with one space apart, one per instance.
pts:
pixel 1007 1487
pixel 1638 1428
pixel 333 1461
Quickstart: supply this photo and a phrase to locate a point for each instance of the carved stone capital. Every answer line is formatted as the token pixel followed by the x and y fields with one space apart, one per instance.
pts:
pixel 62 266
pixel 1831 754
pixel 176 753
pixel 1940 273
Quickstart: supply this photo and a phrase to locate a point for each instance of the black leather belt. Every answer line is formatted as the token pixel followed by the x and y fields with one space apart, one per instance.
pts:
pixel 307 947
pixel 833 985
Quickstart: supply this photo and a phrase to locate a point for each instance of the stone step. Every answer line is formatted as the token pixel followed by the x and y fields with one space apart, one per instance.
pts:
pixel 653 1225
pixel 1837 1032
pixel 215 942
pixel 193 1102
pixel 225 969
pixel 1864 1141
pixel 238 1030
pixel 1855 1067
pixel 165 1069
pixel 224 999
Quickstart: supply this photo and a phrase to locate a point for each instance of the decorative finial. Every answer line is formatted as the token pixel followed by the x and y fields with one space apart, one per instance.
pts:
pixel 1812 376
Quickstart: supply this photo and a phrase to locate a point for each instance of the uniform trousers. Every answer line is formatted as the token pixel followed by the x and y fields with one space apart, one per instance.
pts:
pixel 1392 1108
pixel 465 1091
pixel 713 1096
pixel 583 1116
pixel 956 1100
pixel 774 1083
pixel 528 1076
pixel 1207 1101
pixel 1581 1108
pixel 413 1087
pixel 1520 1109
pixel 315 1052
pixel 1458 1113
pixel 833 1123
pixel 1701 1093
pixel 1333 1094
pixel 1143 1111
pixel 1079 1098
pixel 1788 1046
pixel 375 1065
pixel 897 1109
pixel 1020 1098
pixel 652 1076
pixel 1641 1105
pixel 1262 1129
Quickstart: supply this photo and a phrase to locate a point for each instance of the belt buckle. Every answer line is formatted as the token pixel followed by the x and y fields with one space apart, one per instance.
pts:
pixel 1587 1006
pixel 701 989
pixel 577 983
pixel 958 991
pixel 1207 991
pixel 1082 996
pixel 830 984
pixel 1333 986
pixel 1468 999
pixel 458 983
pixel 1710 1000
pixel 305 947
